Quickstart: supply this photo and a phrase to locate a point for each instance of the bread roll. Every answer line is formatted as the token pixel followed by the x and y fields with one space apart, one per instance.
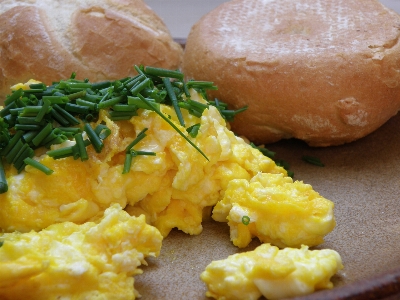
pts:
pixel 98 39
pixel 323 71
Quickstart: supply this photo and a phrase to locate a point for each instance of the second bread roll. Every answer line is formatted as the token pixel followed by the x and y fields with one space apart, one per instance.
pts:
pixel 326 72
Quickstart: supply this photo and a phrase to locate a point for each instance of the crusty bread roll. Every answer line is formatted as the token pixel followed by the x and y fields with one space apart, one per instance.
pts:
pixel 98 39
pixel 324 71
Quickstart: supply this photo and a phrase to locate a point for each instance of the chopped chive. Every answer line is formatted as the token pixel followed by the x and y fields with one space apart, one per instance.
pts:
pixel 110 102
pixel 41 167
pixel 195 113
pixel 77 94
pixel 60 153
pixel 138 138
pixel 56 99
pixel 312 160
pixel 201 84
pixel 70 118
pixel 59 118
pixel 140 104
pixel 6 110
pixel 136 89
pixel 193 130
pixel 138 152
pixel 186 89
pixel 174 100
pixel 14 151
pixel 27 127
pixel 230 114
pixel 154 108
pixel 30 111
pixel 94 138
pixel 71 107
pixel 20 103
pixel 29 121
pixel 116 114
pixel 124 107
pixel 46 130
pixel 246 220
pixel 38 86
pixel 23 153
pixel 138 70
pixel 14 96
pixel 130 83
pixel 3 179
pixel 81 147
pixel 127 163
pixel 16 111
pixel 101 85
pixel 45 109
pixel 92 98
pixel 13 141
pixel 264 151
pixel 91 105
pixel 102 131
pixel 52 135
pixel 84 85
pixel 163 72
pixel 29 136
pixel 59 139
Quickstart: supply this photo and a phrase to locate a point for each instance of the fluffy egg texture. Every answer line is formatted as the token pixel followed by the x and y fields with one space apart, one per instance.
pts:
pixel 279 211
pixel 96 260
pixel 272 273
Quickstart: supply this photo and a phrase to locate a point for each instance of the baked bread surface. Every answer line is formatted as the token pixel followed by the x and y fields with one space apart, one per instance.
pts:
pixel 326 72
pixel 98 39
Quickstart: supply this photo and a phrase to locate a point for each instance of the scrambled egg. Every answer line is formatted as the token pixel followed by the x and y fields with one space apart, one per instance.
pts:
pixel 279 211
pixel 272 273
pixel 173 189
pixel 96 260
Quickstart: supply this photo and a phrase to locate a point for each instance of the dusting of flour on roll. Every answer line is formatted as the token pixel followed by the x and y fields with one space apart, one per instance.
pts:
pixel 326 72
pixel 97 39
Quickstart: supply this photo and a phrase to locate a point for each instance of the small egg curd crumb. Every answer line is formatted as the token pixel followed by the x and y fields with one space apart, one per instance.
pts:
pixel 272 273
pixel 96 260
pixel 24 86
pixel 278 211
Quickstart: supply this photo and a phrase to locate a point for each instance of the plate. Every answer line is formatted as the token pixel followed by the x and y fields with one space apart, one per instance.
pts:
pixel 362 178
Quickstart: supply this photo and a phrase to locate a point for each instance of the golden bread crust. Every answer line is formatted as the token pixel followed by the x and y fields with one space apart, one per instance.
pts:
pixel 326 72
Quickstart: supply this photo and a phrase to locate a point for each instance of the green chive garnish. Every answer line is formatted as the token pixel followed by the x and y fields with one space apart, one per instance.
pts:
pixel 41 167
pixel 81 147
pixel 138 138
pixel 94 138
pixel 3 179
pixel 246 220
pixel 44 116
pixel 312 160
pixel 163 73
pixel 174 100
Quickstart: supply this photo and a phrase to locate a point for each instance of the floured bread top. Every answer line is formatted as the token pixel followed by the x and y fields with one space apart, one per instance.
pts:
pixel 62 12
pixel 308 27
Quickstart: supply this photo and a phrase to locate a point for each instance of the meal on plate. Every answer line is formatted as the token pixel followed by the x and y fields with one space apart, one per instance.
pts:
pixel 95 174
pixel 112 135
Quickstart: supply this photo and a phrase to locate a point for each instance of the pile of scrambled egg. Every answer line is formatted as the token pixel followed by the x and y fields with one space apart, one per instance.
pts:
pixel 52 215
pixel 95 260
pixel 272 273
